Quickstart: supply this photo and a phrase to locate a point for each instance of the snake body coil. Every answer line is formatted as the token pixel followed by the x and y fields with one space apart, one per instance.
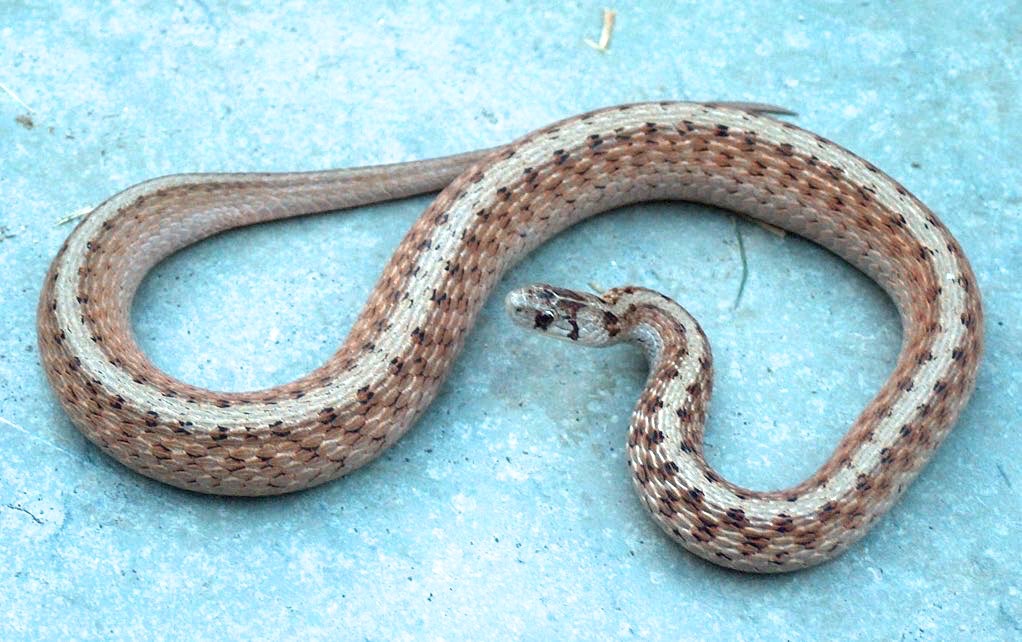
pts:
pixel 498 205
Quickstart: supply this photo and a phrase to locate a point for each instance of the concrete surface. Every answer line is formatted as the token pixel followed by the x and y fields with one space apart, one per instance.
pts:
pixel 508 511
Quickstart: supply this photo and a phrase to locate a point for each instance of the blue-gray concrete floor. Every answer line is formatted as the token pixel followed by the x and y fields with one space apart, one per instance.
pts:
pixel 508 511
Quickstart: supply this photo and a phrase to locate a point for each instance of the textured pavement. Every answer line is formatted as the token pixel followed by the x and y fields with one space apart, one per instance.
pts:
pixel 508 510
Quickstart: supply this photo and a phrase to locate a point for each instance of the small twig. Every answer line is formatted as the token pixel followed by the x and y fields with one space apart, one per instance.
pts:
pixel 77 214
pixel 745 263
pixel 608 29
pixel 773 229
pixel 1004 475
pixel 779 232
pixel 15 96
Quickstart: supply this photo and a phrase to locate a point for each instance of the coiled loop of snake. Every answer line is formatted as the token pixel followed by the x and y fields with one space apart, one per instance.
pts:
pixel 497 205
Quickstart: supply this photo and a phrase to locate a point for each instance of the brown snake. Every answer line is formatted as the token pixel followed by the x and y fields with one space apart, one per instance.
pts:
pixel 497 206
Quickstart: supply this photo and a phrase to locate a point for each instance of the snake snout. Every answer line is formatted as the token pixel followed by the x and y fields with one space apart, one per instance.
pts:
pixel 531 307
pixel 560 313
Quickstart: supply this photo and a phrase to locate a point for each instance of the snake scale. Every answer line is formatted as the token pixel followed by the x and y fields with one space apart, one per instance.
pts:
pixel 495 206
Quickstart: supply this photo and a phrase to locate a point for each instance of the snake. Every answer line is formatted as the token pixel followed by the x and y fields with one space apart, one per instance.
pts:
pixel 494 206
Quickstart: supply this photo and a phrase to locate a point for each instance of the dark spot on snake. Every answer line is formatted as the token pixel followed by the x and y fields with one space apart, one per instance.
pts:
pixel 543 319
pixel 736 516
pixel 783 523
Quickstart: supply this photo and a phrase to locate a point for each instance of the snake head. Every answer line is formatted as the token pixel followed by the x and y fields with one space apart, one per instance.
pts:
pixel 565 314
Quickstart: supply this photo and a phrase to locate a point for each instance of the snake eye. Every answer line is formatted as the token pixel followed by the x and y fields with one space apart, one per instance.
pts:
pixel 543 319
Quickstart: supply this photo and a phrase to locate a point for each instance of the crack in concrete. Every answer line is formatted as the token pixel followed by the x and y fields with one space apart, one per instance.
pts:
pixel 22 509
